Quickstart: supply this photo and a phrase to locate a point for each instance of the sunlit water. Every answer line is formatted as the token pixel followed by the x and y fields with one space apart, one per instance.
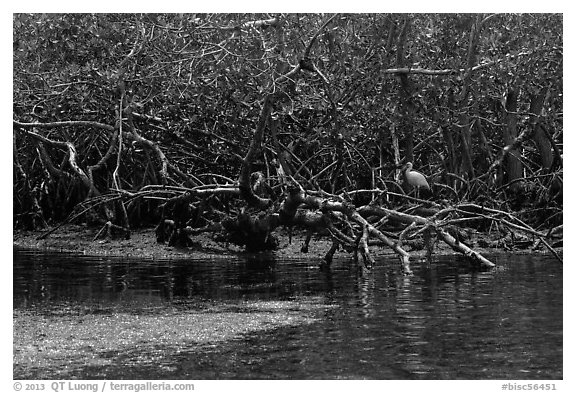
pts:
pixel 447 321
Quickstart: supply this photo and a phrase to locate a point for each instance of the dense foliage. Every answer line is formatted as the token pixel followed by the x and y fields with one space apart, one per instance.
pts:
pixel 446 91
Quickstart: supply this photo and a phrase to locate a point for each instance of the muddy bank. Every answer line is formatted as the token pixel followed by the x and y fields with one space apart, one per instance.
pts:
pixel 142 244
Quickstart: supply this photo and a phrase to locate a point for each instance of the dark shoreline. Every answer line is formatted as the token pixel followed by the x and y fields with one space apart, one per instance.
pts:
pixel 78 239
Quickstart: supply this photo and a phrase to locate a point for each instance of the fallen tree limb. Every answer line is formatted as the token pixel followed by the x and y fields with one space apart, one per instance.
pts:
pixel 521 226
pixel 461 247
pixel 436 225
pixel 327 205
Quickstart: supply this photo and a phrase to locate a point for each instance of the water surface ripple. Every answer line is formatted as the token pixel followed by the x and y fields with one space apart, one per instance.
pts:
pixel 261 317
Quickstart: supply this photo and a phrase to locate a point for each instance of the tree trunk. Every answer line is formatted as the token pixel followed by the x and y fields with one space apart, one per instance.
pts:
pixel 513 163
pixel 463 126
pixel 255 146
pixel 406 106
pixel 543 144
pixel 463 118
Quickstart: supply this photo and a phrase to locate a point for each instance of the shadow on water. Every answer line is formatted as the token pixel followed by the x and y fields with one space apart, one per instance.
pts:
pixel 258 317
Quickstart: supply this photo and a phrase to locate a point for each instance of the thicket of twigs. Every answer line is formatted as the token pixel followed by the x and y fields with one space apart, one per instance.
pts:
pixel 206 121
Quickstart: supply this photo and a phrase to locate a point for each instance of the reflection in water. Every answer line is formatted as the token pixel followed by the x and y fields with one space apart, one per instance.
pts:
pixel 445 321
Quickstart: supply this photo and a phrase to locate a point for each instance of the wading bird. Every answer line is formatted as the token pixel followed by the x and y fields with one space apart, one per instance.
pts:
pixel 414 178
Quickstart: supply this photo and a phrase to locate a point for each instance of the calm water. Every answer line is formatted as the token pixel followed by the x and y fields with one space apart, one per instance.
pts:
pixel 447 321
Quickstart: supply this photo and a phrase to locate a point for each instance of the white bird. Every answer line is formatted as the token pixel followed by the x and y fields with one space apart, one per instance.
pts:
pixel 414 178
